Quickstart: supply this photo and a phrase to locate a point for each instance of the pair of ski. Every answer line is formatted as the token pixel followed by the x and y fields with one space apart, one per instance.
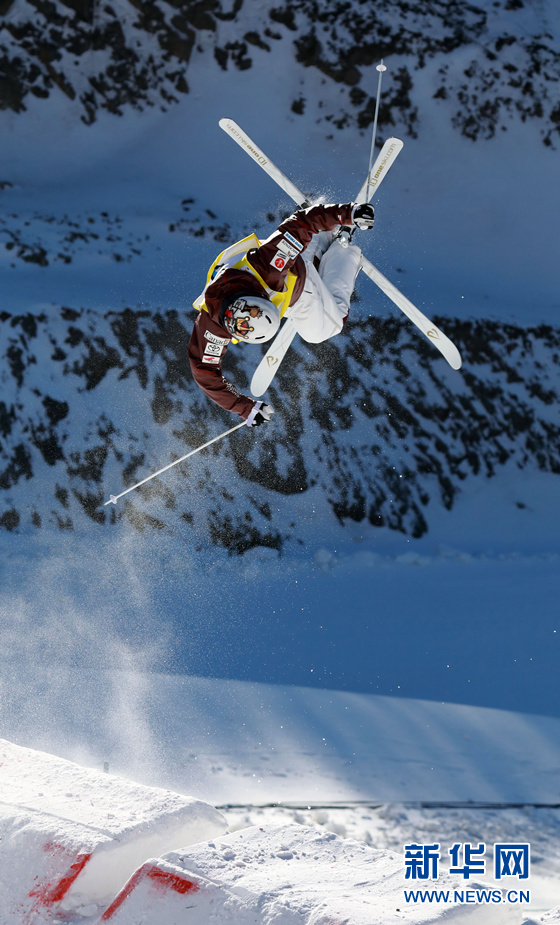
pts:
pixel 267 368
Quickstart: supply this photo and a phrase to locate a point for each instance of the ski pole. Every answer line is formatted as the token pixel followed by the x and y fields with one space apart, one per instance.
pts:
pixel 114 498
pixel 380 67
pixel 345 233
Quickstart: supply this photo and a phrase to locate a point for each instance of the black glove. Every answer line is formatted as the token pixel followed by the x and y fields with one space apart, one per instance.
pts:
pixel 363 216
pixel 261 414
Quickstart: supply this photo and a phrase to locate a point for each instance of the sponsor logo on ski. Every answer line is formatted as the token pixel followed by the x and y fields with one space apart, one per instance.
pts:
pixel 258 155
pixel 272 361
pixel 374 180
pixel 433 332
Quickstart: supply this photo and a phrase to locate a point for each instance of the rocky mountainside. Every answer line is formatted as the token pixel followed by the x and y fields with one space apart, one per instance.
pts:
pixel 371 428
pixel 373 421
pixel 489 63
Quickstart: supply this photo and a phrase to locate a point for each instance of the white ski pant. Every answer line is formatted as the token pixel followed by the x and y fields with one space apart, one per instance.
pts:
pixel 320 311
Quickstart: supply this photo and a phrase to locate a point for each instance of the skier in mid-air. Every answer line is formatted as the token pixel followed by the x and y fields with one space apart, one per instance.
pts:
pixel 301 271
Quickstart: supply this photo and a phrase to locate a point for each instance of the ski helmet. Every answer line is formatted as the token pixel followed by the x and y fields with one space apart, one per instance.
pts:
pixel 252 319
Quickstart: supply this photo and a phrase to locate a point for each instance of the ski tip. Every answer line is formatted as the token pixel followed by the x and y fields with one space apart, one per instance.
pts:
pixel 452 355
pixel 446 347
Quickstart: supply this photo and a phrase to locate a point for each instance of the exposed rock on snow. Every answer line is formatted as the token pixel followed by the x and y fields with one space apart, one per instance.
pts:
pixel 345 411
pixel 487 68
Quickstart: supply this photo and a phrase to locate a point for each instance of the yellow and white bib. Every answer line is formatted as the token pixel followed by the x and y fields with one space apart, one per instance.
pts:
pixel 235 258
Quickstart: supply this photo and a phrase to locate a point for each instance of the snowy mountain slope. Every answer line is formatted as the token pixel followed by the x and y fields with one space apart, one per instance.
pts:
pixel 496 192
pixel 95 388
pixel 139 55
pixel 237 743
pixel 453 617
pixel 374 420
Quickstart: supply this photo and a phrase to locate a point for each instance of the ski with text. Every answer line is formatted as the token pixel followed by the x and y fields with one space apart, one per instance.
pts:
pixel 268 367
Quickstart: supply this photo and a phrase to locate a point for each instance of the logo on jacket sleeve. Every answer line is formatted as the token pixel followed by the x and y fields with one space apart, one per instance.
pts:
pixel 213 353
pixel 288 248
pixel 223 341
pixel 289 238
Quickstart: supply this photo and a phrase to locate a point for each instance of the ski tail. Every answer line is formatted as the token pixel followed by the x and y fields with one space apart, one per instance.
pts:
pixel 267 368
pixel 440 340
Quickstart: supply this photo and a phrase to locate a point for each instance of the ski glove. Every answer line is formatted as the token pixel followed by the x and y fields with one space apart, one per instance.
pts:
pixel 260 414
pixel 363 216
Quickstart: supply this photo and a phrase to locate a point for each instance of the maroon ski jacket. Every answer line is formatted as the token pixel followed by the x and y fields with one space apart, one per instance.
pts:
pixel 210 338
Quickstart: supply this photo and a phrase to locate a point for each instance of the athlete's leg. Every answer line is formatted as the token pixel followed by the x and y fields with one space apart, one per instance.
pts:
pixel 317 247
pixel 321 310
pixel 338 269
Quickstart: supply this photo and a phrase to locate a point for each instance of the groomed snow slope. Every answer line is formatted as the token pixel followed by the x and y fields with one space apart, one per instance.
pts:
pixel 71 838
pixel 237 742
pixel 380 770
pixel 281 875
pixel 549 918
